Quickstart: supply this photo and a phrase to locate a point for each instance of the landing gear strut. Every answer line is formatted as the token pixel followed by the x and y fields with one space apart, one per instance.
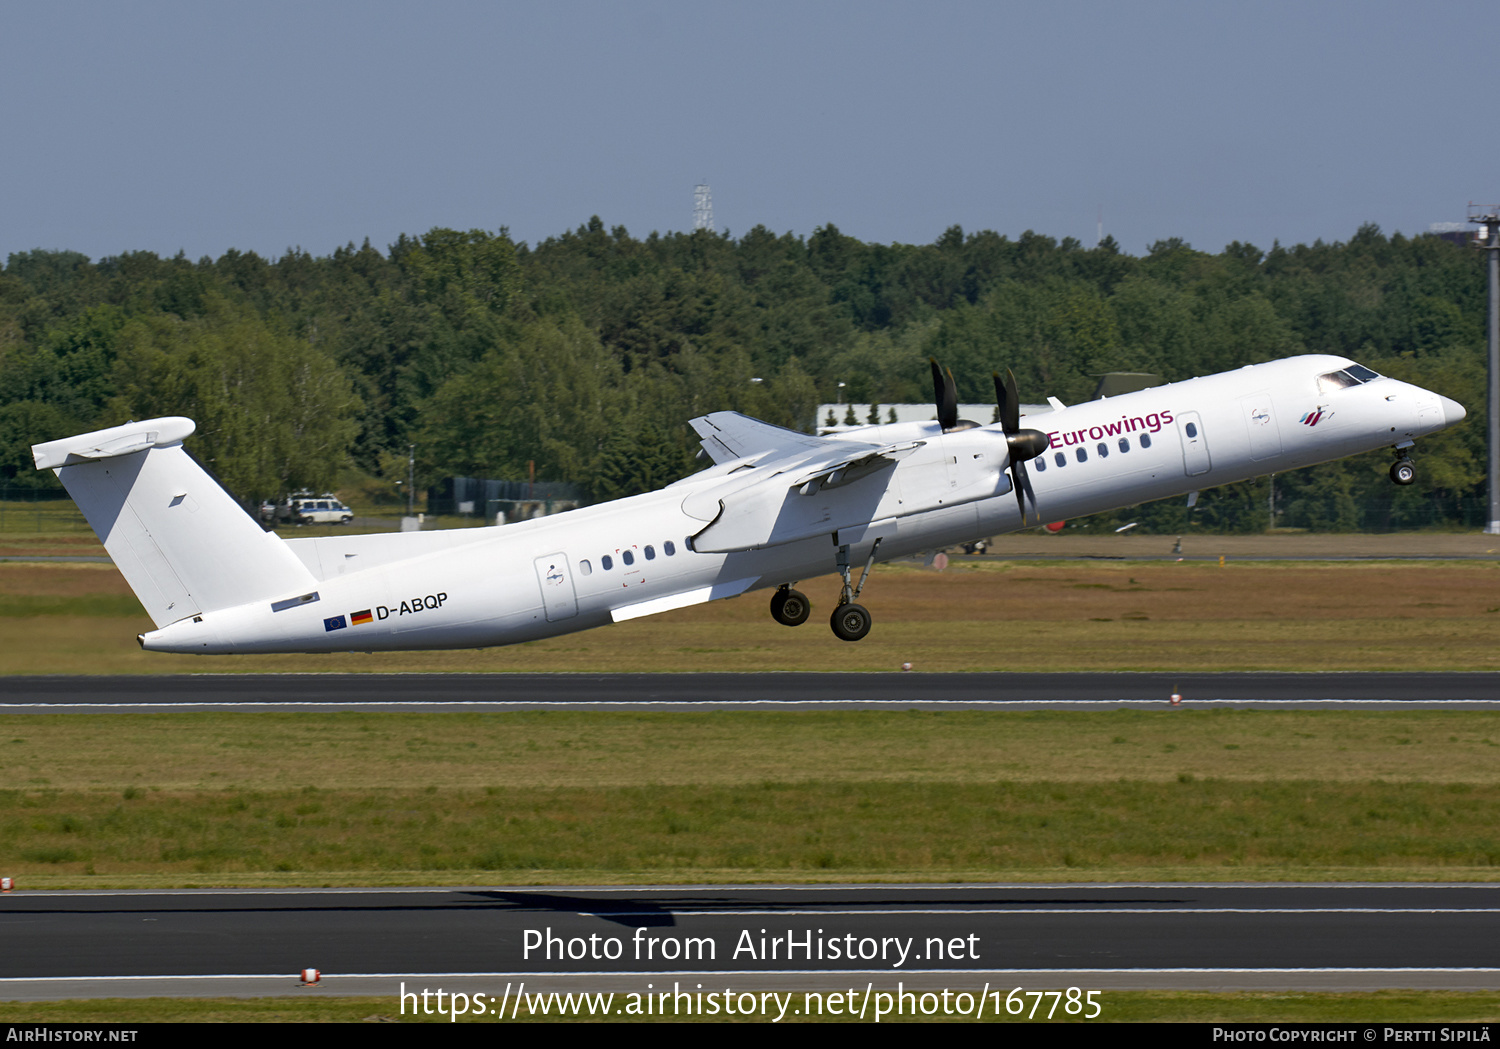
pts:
pixel 850 621
pixel 790 607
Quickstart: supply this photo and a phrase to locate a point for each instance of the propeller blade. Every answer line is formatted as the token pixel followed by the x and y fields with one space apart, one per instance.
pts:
pixel 944 395
pixel 1018 468
pixel 1009 402
pixel 1016 473
pixel 1023 444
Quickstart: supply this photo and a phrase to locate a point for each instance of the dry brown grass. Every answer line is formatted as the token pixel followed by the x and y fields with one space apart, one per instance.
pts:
pixel 69 579
pixel 975 616
pixel 546 749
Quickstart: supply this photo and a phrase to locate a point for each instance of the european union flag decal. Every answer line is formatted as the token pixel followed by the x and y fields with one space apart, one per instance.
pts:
pixel 336 623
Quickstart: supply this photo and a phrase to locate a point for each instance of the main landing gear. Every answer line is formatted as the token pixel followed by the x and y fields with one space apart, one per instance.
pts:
pixel 850 621
pixel 1403 470
pixel 790 607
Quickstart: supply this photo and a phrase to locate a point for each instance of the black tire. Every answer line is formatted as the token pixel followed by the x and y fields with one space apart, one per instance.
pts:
pixel 790 607
pixel 850 622
pixel 1403 471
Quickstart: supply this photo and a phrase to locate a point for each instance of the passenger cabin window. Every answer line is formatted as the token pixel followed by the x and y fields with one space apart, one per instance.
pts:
pixel 1062 460
pixel 584 568
pixel 1145 440
pixel 669 547
pixel 628 557
pixel 650 552
pixel 1103 451
pixel 606 562
pixel 1192 429
pixel 1041 464
pixel 1083 455
pixel 1124 444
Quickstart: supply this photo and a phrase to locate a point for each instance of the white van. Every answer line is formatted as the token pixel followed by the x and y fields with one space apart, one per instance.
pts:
pixel 322 509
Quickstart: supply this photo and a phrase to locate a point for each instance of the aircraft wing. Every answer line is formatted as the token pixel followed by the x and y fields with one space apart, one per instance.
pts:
pixel 851 468
pixel 728 436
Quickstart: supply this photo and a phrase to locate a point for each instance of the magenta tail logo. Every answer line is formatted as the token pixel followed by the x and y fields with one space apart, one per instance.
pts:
pixel 1312 418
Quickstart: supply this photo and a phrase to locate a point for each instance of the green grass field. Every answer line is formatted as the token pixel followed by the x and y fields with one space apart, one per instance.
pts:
pixel 557 797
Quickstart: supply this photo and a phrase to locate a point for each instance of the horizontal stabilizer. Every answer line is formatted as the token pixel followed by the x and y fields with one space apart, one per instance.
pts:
pixel 115 441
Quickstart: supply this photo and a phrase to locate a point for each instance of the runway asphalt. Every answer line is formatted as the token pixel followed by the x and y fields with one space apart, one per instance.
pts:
pixel 367 941
pixel 500 692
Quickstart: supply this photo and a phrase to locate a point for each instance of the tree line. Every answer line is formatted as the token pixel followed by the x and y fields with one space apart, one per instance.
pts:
pixel 583 356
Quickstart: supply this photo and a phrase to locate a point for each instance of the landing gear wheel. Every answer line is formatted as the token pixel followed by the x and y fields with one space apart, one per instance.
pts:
pixel 790 607
pixel 850 622
pixel 1403 471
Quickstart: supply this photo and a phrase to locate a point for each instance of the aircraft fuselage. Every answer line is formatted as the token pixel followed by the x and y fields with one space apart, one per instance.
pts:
pixel 745 525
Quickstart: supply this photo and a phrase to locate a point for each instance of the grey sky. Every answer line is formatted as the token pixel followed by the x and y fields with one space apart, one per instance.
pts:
pixel 204 126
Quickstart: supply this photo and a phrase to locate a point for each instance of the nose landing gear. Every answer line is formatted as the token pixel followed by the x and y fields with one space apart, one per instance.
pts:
pixel 1403 470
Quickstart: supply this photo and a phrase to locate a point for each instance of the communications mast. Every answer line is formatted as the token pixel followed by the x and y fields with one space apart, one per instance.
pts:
pixel 703 208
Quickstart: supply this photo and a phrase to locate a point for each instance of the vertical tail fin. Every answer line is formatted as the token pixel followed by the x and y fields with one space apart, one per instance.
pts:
pixel 184 546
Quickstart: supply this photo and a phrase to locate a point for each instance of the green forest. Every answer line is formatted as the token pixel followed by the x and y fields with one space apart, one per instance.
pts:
pixel 586 354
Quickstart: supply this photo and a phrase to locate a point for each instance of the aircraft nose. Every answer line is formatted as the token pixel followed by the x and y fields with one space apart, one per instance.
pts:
pixel 1453 412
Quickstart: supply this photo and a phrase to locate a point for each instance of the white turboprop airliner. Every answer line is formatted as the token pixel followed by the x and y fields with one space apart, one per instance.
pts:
pixel 777 506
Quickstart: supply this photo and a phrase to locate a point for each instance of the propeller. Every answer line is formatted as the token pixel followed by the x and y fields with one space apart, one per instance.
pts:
pixel 1023 444
pixel 945 396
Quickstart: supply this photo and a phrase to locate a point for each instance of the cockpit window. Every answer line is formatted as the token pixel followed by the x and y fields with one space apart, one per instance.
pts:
pixel 1350 376
pixel 1335 381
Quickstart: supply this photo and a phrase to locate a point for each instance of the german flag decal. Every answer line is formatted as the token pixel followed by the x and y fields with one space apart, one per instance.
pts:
pixel 361 618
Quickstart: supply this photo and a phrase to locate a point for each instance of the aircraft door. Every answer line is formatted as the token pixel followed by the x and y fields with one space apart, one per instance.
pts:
pixel 555 576
pixel 1194 446
pixel 1260 421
